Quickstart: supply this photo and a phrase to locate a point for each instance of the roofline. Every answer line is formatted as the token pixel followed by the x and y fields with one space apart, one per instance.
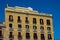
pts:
pixel 13 9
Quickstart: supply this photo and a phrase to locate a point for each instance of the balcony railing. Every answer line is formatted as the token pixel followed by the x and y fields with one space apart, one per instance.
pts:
pixel 42 31
pixel 11 37
pixel 27 30
pixel 34 30
pixel 20 38
pixel 27 21
pixel 49 39
pixel 19 29
pixel 35 39
pixel 49 31
pixel 42 39
pixel 11 29
pixel 27 39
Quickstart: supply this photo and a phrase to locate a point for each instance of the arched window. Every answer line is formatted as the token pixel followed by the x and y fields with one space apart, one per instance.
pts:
pixel 42 29
pixel 41 21
pixel 35 36
pixel 26 20
pixel 42 37
pixel 10 18
pixel 34 21
pixel 27 35
pixel 19 36
pixel 49 29
pixel 34 27
pixel 48 22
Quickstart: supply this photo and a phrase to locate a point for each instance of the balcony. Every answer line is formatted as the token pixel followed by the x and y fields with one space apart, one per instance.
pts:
pixel 19 21
pixel 19 29
pixel 27 30
pixel 35 39
pixel 34 30
pixel 43 39
pixel 49 31
pixel 11 29
pixel 19 38
pixel 11 37
pixel 27 39
pixel 49 39
pixel 42 31
pixel 27 22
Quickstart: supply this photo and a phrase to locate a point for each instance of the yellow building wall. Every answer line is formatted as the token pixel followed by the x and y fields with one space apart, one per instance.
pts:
pixel 30 17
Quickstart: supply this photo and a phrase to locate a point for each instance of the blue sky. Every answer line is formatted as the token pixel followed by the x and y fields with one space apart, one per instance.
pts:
pixel 45 6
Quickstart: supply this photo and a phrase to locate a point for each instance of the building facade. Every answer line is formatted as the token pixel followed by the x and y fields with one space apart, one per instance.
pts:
pixel 27 24
pixel 2 31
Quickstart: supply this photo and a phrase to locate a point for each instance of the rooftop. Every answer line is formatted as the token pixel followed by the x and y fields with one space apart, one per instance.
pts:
pixel 25 10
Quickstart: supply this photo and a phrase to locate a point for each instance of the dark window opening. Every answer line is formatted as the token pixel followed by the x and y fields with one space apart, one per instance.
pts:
pixel 42 37
pixel 19 19
pixel 10 18
pixel 34 21
pixel 27 26
pixel 19 26
pixel 27 35
pixel 1 34
pixel 49 36
pixel 34 27
pixel 26 20
pixel 49 29
pixel 0 27
pixel 48 22
pixel 41 21
pixel 1 39
pixel 10 25
pixel 19 35
pixel 35 35
pixel 11 35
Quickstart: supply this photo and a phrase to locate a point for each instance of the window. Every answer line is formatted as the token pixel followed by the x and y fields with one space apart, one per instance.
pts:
pixel 10 18
pixel 48 22
pixel 0 33
pixel 41 21
pixel 19 26
pixel 34 27
pixel 27 26
pixel 35 35
pixel 42 37
pixel 1 39
pixel 42 29
pixel 19 35
pixel 19 19
pixel 27 35
pixel 49 36
pixel 26 20
pixel 34 21
pixel 11 35
pixel 10 25
pixel 0 27
pixel 49 29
